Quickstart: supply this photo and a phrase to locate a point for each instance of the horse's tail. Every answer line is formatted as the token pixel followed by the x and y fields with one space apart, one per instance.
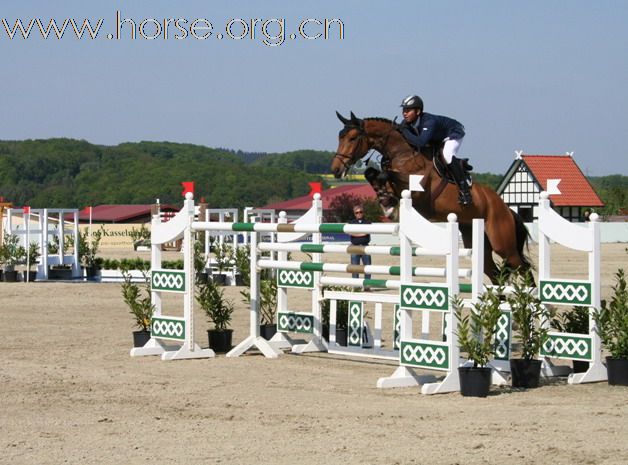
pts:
pixel 523 235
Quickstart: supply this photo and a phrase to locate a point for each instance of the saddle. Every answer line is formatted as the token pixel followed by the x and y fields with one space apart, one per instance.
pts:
pixel 434 153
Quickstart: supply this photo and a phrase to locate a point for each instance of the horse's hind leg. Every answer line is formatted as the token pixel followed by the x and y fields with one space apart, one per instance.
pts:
pixel 490 268
pixel 503 239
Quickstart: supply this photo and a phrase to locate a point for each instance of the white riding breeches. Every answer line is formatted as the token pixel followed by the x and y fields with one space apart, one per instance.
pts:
pixel 450 149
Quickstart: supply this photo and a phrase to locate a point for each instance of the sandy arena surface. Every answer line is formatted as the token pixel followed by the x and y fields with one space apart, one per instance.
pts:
pixel 70 393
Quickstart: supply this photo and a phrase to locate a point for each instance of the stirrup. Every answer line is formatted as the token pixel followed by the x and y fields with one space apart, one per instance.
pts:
pixel 464 198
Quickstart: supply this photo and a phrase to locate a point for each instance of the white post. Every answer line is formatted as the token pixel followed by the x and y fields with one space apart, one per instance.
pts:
pixel 403 376
pixel 188 266
pixel 317 292
pixel 254 317
pixel 28 220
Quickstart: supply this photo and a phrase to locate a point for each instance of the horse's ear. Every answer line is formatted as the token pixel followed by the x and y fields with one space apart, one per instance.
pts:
pixel 342 119
pixel 355 121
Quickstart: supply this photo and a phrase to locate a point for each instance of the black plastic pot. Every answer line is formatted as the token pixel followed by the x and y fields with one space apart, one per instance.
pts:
pixel 10 276
pixel 201 278
pixel 474 381
pixel 341 336
pixel 525 373
pixel 92 273
pixel 219 279
pixel 60 273
pixel 140 338
pixel 267 331
pixel 29 276
pixel 579 366
pixel 617 369
pixel 220 341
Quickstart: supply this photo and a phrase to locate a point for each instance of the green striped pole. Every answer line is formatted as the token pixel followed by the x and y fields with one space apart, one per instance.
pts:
pixel 393 251
pixel 374 228
pixel 348 268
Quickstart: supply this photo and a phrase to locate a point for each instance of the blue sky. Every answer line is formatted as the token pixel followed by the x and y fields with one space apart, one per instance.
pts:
pixel 545 77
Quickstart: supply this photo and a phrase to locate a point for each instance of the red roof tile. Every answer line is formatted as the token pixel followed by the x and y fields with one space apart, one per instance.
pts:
pixel 574 187
pixel 305 202
pixel 119 213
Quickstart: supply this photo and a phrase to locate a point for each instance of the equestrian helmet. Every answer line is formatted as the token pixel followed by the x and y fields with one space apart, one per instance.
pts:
pixel 412 101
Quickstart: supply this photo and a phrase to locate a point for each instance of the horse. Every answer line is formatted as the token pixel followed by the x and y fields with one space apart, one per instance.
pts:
pixel 505 232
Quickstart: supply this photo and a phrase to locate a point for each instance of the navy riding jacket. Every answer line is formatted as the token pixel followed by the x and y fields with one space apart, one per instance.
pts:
pixel 432 129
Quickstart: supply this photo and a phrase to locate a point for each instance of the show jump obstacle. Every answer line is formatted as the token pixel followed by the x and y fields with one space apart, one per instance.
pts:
pixel 417 236
pixel 557 291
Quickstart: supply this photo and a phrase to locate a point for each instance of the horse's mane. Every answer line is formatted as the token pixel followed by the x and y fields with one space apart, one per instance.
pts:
pixel 377 118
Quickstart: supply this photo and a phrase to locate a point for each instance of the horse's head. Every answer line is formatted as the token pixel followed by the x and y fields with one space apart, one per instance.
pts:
pixel 382 185
pixel 352 145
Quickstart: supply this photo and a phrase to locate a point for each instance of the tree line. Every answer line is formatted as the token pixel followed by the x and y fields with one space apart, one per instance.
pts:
pixel 68 173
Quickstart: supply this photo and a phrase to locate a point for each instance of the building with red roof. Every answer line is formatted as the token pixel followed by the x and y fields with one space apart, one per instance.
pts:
pixel 122 213
pixel 527 178
pixel 298 206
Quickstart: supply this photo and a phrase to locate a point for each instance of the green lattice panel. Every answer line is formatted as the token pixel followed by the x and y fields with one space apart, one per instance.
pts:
pixel 355 324
pixel 565 292
pixel 568 346
pixel 295 278
pixel 168 328
pixel 503 335
pixel 167 280
pixel 396 326
pixel 424 297
pixel 424 354
pixel 294 322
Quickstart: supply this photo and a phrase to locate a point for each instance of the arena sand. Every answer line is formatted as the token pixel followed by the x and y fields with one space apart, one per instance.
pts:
pixel 70 393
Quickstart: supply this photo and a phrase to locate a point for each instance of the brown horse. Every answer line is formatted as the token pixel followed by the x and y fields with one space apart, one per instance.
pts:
pixel 505 233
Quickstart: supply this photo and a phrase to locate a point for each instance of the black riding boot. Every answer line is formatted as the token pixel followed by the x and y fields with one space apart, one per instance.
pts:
pixel 455 167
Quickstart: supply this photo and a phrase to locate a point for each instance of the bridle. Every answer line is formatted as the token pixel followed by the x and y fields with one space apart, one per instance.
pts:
pixel 346 159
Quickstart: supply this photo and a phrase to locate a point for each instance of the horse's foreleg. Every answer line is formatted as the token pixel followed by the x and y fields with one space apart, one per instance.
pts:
pixel 380 183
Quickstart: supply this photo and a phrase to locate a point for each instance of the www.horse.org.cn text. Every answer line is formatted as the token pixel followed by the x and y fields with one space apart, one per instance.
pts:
pixel 270 32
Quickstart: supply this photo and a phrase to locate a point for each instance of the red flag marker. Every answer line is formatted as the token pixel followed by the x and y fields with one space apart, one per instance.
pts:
pixel 315 188
pixel 188 186
pixel 26 210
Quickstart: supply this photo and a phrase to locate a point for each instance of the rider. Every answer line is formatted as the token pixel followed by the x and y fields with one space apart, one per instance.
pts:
pixel 421 129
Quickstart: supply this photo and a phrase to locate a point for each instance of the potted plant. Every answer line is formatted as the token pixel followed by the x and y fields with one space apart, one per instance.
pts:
pixel 342 315
pixel 222 254
pixel 139 302
pixel 476 338
pixel 59 271
pixel 268 308
pixel 531 320
pixel 88 248
pixel 200 263
pixel 12 253
pixel 576 321
pixel 219 312
pixel 140 237
pixel 612 326
pixel 242 262
pixel 32 256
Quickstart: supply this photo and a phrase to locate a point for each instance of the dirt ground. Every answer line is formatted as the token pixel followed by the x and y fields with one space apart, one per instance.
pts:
pixel 70 393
